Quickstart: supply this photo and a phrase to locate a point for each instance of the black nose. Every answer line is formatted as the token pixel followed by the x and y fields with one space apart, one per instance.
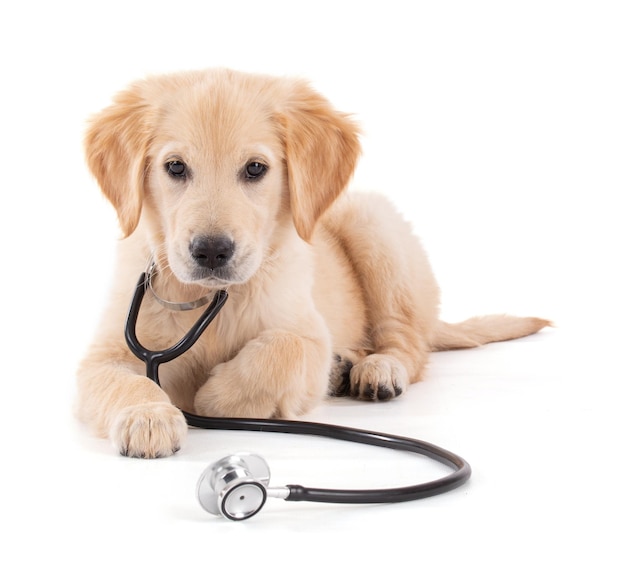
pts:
pixel 212 251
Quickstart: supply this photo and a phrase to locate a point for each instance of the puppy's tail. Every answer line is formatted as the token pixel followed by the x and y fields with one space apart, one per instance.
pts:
pixel 477 331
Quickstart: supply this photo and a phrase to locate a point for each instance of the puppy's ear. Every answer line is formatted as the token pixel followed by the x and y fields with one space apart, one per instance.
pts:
pixel 322 148
pixel 116 146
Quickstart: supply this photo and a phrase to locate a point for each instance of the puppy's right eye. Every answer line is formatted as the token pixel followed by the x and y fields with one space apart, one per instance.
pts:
pixel 176 169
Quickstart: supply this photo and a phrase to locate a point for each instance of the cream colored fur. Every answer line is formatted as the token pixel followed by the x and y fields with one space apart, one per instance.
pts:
pixel 328 292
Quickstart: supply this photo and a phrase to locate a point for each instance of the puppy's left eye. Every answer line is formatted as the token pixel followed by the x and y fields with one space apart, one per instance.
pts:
pixel 254 171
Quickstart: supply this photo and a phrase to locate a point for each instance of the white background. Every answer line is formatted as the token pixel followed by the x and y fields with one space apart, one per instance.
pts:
pixel 498 128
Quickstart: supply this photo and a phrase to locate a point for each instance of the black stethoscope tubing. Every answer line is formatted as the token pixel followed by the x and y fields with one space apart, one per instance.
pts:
pixel 153 359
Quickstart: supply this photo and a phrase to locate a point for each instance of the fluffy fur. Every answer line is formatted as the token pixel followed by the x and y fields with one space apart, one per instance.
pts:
pixel 229 180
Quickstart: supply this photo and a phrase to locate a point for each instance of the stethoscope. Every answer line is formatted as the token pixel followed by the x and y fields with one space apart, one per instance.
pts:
pixel 237 486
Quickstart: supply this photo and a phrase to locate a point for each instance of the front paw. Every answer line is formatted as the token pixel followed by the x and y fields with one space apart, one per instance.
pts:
pixel 277 374
pixel 378 377
pixel 149 430
pixel 235 392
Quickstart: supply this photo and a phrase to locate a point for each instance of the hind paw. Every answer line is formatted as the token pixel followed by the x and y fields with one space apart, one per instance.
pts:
pixel 378 377
pixel 339 380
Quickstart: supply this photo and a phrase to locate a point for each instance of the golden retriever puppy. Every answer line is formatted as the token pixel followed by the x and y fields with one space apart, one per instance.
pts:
pixel 226 180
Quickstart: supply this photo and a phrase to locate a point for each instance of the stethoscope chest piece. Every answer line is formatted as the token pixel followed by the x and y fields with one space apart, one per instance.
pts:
pixel 235 486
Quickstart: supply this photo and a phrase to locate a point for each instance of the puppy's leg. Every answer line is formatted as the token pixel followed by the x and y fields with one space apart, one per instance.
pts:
pixel 400 293
pixel 277 374
pixel 130 409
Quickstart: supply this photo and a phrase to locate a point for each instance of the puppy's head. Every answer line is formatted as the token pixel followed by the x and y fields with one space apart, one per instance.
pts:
pixel 220 166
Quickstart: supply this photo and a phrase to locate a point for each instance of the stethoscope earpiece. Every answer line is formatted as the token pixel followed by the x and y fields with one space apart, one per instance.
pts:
pixel 235 486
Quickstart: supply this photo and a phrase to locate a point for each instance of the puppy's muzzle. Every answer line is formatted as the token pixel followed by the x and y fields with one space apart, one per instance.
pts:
pixel 211 252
